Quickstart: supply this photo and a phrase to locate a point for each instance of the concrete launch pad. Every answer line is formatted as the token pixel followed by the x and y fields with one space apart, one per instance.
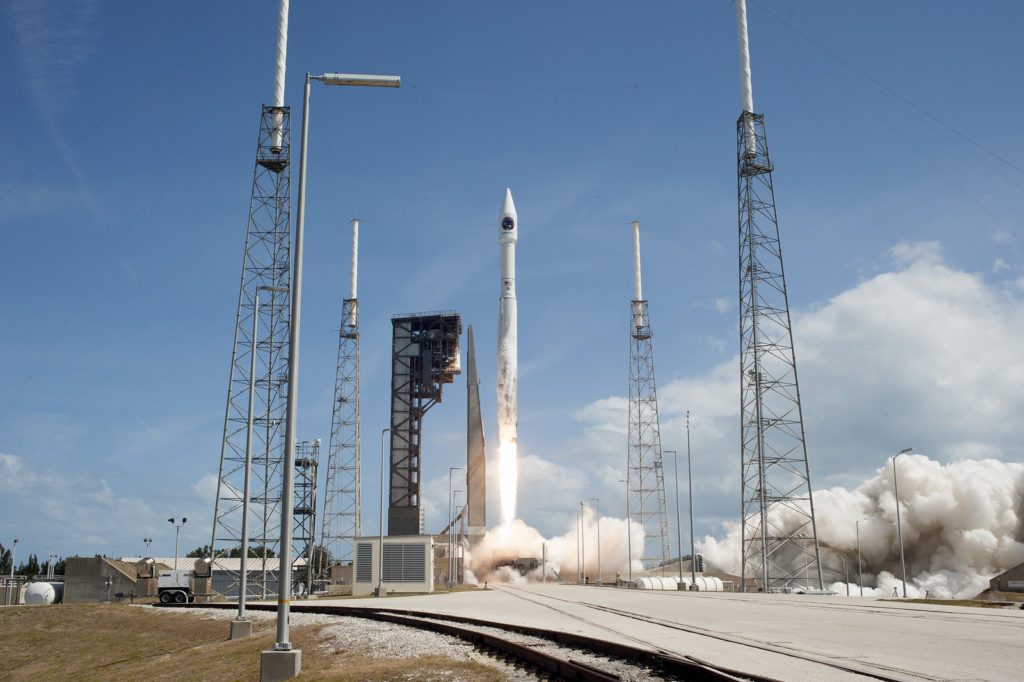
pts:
pixel 788 637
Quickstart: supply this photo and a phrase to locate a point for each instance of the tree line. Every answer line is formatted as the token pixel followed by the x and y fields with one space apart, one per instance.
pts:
pixel 30 567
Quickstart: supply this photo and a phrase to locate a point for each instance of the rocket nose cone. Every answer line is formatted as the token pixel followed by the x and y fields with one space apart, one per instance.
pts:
pixel 508 207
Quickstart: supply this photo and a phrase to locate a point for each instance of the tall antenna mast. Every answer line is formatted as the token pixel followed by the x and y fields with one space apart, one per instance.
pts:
pixel 645 474
pixel 266 268
pixel 342 521
pixel 780 538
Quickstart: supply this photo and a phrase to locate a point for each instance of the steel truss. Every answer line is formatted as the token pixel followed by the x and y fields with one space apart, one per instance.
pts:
pixel 342 515
pixel 425 356
pixel 646 475
pixel 266 265
pixel 780 540
pixel 307 459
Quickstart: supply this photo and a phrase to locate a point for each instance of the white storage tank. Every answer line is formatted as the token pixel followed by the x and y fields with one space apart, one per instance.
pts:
pixel 44 593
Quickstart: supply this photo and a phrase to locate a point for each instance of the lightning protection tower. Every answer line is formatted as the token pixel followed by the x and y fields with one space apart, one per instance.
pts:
pixel 645 475
pixel 258 378
pixel 342 519
pixel 780 539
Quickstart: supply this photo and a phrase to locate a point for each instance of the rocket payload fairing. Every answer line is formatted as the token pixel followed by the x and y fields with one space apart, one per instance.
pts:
pixel 507 360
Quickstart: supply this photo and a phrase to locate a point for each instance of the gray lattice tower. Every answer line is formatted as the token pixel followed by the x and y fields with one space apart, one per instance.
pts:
pixel 424 357
pixel 780 540
pixel 266 262
pixel 307 458
pixel 342 520
pixel 646 475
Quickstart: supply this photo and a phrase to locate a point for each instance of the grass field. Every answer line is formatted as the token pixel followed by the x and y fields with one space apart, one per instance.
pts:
pixel 118 642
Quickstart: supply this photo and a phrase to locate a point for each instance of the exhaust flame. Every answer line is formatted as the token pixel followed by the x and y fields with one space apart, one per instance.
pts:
pixel 508 476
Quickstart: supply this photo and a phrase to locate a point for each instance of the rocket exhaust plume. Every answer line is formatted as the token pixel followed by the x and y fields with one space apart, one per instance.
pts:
pixel 508 373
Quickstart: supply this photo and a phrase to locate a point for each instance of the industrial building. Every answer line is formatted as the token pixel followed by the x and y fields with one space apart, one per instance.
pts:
pixel 1009 581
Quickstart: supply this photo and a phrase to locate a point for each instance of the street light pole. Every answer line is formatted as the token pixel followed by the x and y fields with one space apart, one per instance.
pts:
pixel 597 507
pixel 583 539
pixel 629 535
pixel 287 475
pixel 679 532
pixel 689 483
pixel 451 522
pixel 10 583
pixel 899 526
pixel 177 531
pixel 380 562
pixel 147 541
pixel 860 570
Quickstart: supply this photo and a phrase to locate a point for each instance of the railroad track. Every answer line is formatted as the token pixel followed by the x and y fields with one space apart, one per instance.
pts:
pixel 553 653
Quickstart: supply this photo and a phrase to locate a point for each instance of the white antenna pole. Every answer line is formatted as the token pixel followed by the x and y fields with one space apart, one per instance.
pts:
pixel 745 85
pixel 637 289
pixel 355 271
pixel 279 70
pixel 355 257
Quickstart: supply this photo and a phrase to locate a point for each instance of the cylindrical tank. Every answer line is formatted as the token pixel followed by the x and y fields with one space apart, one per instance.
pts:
pixel 44 593
pixel 643 583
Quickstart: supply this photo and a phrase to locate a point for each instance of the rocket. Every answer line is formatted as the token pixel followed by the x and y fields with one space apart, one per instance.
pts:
pixel 508 333
pixel 508 373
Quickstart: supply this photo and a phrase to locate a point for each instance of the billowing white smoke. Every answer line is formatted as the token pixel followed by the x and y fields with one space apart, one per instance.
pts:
pixel 517 540
pixel 963 523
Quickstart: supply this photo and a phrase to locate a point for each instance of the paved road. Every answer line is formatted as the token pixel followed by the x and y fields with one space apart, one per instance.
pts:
pixel 788 637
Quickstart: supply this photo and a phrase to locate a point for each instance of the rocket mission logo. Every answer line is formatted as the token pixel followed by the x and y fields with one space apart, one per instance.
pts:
pixel 507 223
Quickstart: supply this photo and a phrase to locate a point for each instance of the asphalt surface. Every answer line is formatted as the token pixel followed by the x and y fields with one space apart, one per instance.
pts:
pixel 787 637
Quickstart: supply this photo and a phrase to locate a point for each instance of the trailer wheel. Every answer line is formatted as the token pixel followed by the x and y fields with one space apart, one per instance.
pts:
pixel 165 597
pixel 180 598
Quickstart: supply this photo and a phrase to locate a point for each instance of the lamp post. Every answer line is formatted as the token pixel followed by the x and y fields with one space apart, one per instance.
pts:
pixel 380 561
pixel 177 532
pixel 451 522
pixel 287 475
pixel 10 583
pixel 583 539
pixel 451 574
pixel 679 536
pixel 629 535
pixel 147 542
pixel 899 527
pixel 597 508
pixel 689 483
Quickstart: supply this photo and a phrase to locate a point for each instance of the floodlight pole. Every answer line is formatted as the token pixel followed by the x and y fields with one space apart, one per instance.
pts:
pixel 629 535
pixel 451 523
pixel 679 533
pixel 899 526
pixel 597 508
pixel 177 532
pixel 689 483
pixel 287 475
pixel 380 562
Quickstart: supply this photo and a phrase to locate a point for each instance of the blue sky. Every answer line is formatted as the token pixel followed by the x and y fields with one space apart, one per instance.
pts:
pixel 895 131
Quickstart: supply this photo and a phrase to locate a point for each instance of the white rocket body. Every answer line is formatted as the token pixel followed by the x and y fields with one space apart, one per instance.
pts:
pixel 508 331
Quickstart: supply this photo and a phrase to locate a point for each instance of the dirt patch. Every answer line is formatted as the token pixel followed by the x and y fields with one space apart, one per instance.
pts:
pixel 120 642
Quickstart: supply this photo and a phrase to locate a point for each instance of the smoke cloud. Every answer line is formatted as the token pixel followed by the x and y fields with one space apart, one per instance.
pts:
pixel 963 523
pixel 610 550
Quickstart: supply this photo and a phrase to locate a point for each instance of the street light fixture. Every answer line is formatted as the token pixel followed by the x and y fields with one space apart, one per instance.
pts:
pixel 287 499
pixel 679 536
pixel 899 527
pixel 177 532
pixel 147 541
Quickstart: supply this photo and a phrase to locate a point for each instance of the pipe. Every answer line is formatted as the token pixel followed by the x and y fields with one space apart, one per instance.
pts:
pixel 637 289
pixel 746 88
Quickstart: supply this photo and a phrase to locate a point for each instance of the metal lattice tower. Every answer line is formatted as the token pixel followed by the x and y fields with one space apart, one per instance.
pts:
pixel 307 459
pixel 266 265
pixel 646 475
pixel 424 357
pixel 780 540
pixel 342 519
